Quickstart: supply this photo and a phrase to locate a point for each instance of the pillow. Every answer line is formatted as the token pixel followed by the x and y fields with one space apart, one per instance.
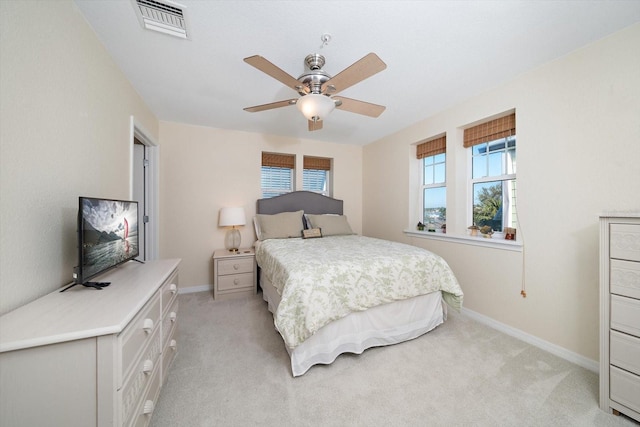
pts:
pixel 279 226
pixel 331 225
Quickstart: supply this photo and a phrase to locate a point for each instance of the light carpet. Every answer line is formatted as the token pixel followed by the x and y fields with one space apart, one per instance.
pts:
pixel 232 370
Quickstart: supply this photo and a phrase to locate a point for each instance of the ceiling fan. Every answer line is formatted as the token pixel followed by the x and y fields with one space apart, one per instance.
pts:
pixel 317 88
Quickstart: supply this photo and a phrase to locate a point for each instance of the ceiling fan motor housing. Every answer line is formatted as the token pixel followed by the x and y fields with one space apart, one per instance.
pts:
pixel 313 79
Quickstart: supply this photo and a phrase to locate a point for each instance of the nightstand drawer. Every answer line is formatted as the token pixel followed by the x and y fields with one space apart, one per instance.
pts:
pixel 235 266
pixel 236 281
pixel 625 315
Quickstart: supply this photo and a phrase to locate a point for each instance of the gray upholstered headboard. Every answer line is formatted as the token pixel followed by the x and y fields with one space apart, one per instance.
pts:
pixel 309 202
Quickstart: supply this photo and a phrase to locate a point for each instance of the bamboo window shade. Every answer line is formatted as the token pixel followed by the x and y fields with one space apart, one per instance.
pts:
pixel 432 147
pixel 279 160
pixel 490 131
pixel 317 163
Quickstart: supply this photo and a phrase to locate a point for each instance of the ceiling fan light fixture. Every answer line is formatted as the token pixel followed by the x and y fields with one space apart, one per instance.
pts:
pixel 315 106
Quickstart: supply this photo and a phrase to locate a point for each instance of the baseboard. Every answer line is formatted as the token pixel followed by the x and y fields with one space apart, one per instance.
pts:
pixel 194 289
pixel 554 349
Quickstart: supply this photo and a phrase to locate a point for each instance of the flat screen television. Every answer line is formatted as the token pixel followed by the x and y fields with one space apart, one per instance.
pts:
pixel 107 237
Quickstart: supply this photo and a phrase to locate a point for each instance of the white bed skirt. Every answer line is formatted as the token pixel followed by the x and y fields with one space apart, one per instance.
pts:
pixel 383 325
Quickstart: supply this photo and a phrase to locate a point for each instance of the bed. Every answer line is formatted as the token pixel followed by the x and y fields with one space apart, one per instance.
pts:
pixel 341 292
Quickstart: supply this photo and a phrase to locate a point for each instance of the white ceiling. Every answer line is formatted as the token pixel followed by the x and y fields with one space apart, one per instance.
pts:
pixel 438 53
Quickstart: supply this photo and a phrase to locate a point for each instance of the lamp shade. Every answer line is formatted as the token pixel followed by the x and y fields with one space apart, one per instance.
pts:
pixel 230 217
pixel 315 106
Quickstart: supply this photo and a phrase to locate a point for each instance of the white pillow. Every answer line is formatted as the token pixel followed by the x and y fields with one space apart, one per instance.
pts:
pixel 331 225
pixel 279 226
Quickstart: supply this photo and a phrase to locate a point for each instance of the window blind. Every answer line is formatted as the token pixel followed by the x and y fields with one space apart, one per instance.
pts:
pixel 277 160
pixel 432 147
pixel 490 131
pixel 317 163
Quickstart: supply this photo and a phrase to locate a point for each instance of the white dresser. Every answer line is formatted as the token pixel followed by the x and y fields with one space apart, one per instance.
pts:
pixel 620 314
pixel 88 357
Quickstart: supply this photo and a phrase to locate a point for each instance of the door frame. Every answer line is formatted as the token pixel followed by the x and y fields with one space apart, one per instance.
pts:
pixel 151 185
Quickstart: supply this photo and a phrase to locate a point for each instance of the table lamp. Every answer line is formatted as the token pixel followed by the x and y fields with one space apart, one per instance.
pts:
pixel 232 217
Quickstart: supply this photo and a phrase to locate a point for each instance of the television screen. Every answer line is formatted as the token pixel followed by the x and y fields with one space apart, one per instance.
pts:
pixel 107 234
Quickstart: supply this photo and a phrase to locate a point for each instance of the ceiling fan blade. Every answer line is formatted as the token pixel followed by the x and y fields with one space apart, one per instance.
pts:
pixel 317 125
pixel 355 73
pixel 358 107
pixel 270 106
pixel 267 67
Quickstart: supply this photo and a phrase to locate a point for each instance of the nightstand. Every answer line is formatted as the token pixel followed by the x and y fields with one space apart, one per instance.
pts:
pixel 234 274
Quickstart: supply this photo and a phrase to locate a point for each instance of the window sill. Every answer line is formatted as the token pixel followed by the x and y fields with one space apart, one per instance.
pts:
pixel 507 245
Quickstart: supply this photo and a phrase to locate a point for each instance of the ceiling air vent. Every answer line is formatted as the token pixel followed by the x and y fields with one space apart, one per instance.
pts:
pixel 162 16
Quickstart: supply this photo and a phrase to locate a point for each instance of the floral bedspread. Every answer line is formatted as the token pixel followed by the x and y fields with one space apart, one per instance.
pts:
pixel 325 279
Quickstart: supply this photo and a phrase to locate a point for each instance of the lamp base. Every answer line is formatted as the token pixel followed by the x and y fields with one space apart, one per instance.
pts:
pixel 232 240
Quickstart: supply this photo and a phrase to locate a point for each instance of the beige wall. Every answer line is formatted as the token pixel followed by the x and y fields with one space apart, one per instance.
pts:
pixel 578 127
pixel 204 169
pixel 65 113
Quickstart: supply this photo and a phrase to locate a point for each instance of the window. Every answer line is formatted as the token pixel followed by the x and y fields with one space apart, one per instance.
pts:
pixel 277 174
pixel 433 187
pixel 316 175
pixel 493 176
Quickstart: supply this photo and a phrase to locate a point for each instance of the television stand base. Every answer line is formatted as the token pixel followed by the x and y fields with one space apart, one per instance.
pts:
pixel 95 285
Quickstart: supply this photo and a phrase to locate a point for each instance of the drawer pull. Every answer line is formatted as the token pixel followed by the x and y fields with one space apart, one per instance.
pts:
pixel 236 282
pixel 148 325
pixel 147 366
pixel 148 407
pixel 173 316
pixel 236 266
pixel 173 288
pixel 173 344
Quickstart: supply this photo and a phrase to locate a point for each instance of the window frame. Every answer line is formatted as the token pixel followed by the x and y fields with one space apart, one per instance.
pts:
pixel 277 162
pixel 317 164
pixel 504 179
pixel 433 185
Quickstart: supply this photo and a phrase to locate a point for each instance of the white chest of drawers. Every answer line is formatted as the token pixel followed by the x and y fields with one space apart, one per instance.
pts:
pixel 90 357
pixel 620 314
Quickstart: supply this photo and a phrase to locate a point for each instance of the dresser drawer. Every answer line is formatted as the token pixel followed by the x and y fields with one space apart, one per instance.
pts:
pixel 625 242
pixel 169 322
pixel 141 375
pixel 625 278
pixel 625 315
pixel 235 281
pixel 625 352
pixel 138 333
pixel 142 415
pixel 625 388
pixel 169 291
pixel 235 266
pixel 169 354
